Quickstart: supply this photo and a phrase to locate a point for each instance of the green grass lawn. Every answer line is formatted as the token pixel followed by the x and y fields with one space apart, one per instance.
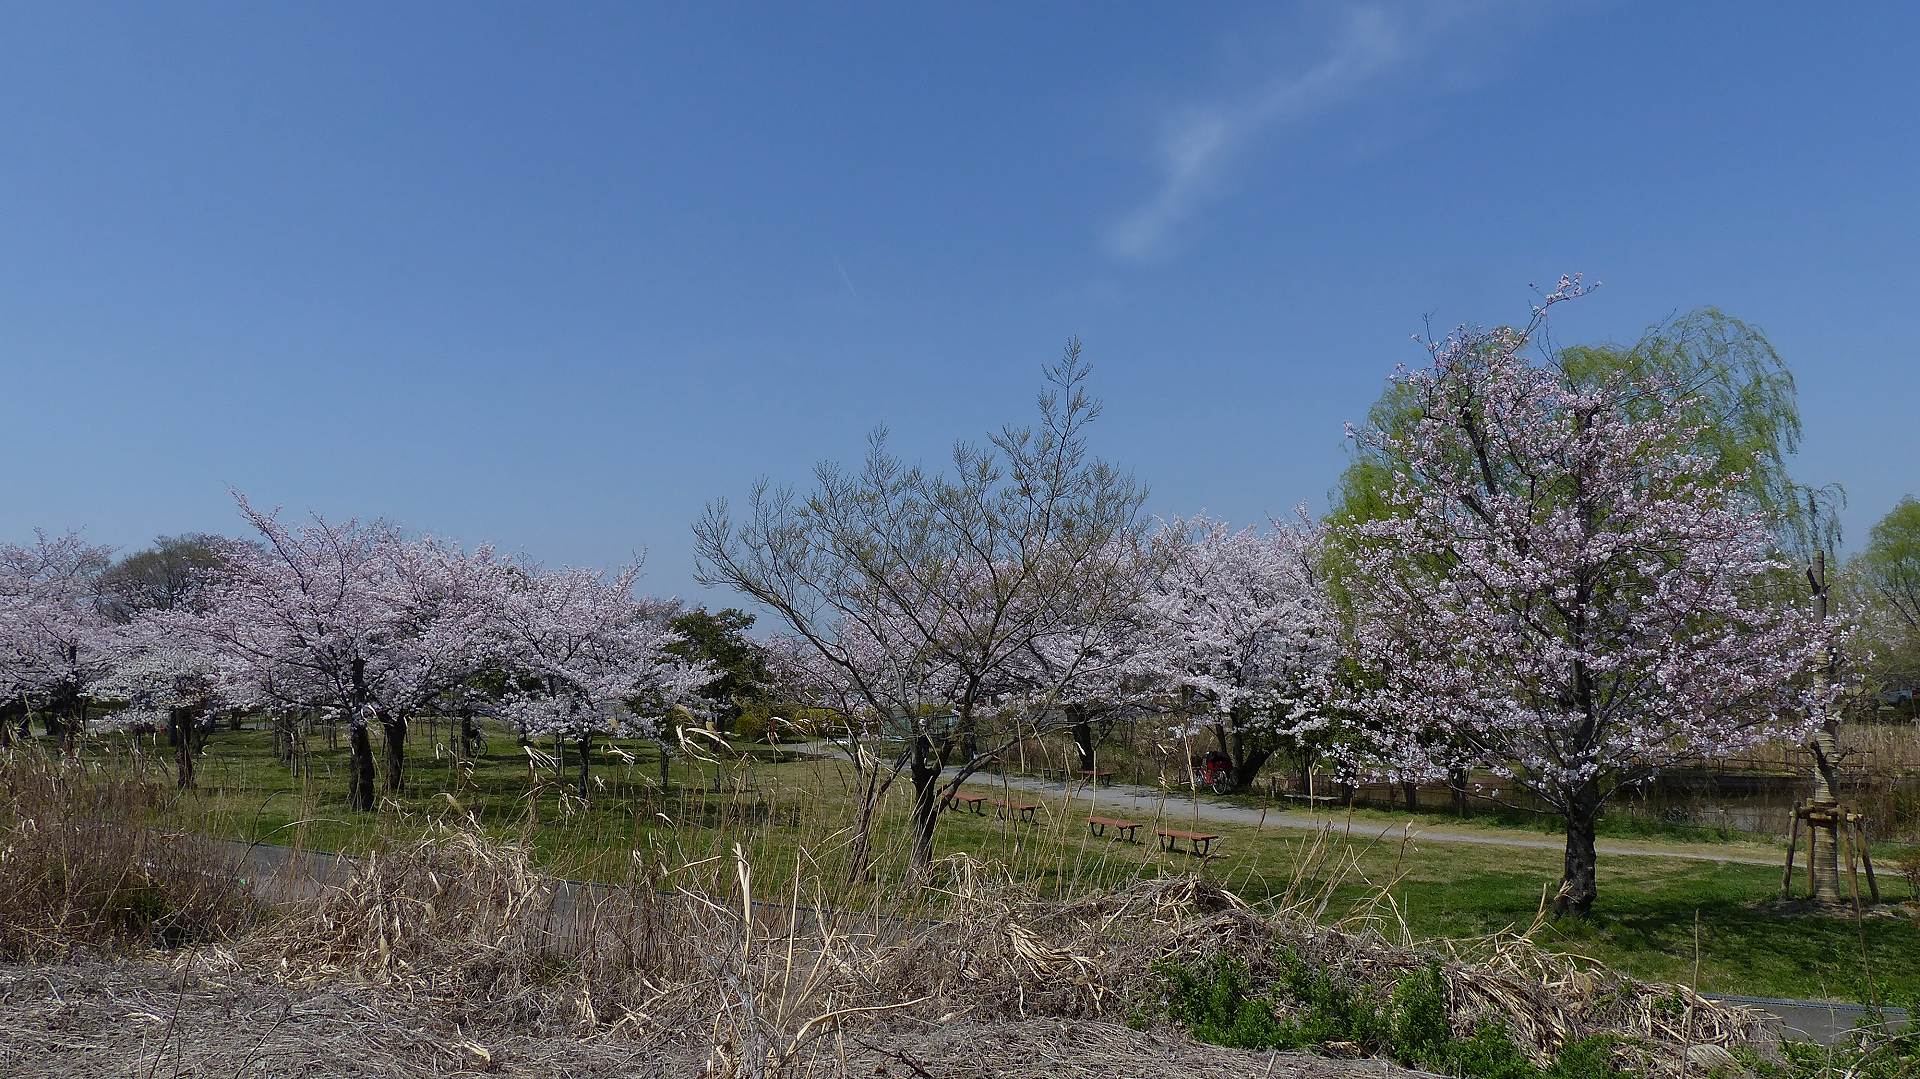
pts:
pixel 1692 922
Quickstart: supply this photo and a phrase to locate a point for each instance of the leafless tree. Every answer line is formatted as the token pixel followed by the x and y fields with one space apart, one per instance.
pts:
pixel 957 611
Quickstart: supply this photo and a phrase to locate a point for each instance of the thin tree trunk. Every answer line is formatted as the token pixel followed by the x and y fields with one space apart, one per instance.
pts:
pixel 862 850
pixel 586 760
pixel 926 808
pixel 1457 786
pixel 1825 858
pixel 181 730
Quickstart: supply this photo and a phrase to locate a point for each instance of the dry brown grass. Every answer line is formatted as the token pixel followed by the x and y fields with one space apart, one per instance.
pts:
pixel 450 954
pixel 79 868
pixel 689 963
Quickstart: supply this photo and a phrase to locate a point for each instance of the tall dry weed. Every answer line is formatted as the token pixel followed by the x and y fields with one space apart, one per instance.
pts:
pixel 82 866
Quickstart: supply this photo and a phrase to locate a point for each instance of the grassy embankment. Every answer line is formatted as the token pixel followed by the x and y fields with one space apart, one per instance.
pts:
pixel 1693 922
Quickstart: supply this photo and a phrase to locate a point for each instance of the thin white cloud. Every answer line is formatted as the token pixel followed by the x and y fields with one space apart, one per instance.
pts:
pixel 1203 140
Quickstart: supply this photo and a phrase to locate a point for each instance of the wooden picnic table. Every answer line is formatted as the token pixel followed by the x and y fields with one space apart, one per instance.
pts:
pixel 1096 776
pixel 1014 810
pixel 1202 842
pixel 1125 829
pixel 972 801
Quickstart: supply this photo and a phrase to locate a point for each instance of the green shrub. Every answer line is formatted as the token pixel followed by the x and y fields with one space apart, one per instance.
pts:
pixel 1307 1007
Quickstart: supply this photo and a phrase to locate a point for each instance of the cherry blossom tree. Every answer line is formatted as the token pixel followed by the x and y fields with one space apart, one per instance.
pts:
pixel 164 680
pixel 1566 585
pixel 55 641
pixel 590 658
pixel 1239 629
pixel 350 615
pixel 927 596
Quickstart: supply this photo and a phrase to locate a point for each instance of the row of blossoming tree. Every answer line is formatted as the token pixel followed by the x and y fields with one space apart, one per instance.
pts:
pixel 1567 573
pixel 353 618
pixel 1558 582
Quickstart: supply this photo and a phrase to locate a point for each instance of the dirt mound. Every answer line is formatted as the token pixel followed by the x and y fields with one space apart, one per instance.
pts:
pixel 138 1018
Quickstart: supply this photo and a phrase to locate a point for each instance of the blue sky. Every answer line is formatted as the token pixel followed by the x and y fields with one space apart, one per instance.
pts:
pixel 553 276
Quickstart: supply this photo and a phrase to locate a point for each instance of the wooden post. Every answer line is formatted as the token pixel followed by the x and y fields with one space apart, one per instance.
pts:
pixel 1866 859
pixel 1813 844
pixel 1853 875
pixel 1793 841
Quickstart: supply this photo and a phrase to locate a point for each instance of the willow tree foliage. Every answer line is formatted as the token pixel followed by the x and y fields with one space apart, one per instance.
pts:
pixel 1884 581
pixel 1724 383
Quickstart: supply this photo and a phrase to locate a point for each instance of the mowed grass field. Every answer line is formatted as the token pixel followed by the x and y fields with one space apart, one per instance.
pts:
pixel 1707 924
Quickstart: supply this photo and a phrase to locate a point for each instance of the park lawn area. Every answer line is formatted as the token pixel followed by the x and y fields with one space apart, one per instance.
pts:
pixel 1692 922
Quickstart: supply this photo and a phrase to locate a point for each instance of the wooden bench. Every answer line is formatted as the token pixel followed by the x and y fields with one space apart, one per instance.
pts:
pixel 972 801
pixel 1014 810
pixel 1096 778
pixel 1313 799
pixel 1125 829
pixel 1202 842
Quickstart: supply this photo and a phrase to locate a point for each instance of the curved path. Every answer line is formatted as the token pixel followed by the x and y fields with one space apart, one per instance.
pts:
pixel 1176 807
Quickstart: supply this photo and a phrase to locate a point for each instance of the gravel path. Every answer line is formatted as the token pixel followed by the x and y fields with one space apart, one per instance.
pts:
pixel 1156 805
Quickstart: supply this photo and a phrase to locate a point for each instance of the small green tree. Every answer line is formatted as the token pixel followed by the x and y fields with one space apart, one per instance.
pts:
pixel 719 640
pixel 1884 583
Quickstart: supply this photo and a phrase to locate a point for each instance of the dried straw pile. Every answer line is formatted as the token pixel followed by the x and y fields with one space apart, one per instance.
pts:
pixel 467 926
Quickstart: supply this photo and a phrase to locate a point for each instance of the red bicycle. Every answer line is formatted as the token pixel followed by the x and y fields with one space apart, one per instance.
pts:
pixel 1213 772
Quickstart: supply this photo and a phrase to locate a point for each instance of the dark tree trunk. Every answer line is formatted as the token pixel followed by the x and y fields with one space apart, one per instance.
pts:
pixel 1457 786
pixel 1083 738
pixel 666 766
pixel 184 733
pixel 1411 792
pixel 926 807
pixel 359 768
pixel 1246 767
pixel 1577 880
pixel 395 729
pixel 461 734
pixel 75 726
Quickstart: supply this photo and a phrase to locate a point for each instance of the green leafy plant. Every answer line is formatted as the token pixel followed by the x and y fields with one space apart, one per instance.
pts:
pixel 1310 1007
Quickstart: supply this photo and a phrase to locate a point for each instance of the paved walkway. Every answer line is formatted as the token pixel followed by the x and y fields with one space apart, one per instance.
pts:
pixel 1179 807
